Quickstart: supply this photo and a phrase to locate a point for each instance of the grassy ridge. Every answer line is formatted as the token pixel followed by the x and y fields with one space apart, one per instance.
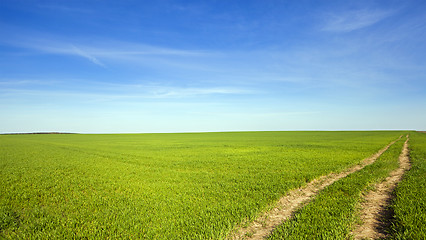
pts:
pixel 332 214
pixel 410 196
pixel 160 186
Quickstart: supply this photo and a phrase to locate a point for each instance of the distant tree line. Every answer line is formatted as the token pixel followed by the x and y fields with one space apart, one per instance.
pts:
pixel 36 133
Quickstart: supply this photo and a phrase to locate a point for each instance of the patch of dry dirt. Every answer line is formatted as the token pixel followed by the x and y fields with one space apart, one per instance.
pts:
pixel 295 199
pixel 375 214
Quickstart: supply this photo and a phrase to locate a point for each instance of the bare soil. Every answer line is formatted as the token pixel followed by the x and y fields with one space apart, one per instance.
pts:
pixel 375 214
pixel 295 199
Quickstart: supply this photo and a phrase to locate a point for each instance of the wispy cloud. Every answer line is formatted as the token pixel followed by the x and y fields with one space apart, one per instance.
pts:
pixel 352 20
pixel 64 8
pixel 188 92
pixel 97 91
pixel 25 82
pixel 84 54
pixel 95 50
pixel 158 91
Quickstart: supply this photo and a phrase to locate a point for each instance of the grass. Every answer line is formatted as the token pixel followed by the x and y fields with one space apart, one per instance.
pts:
pixel 160 186
pixel 410 197
pixel 332 214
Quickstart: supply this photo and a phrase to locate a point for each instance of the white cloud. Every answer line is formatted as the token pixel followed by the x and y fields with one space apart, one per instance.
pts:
pixel 352 20
pixel 96 92
pixel 64 8
pixel 96 50
pixel 25 82
pixel 84 54
pixel 187 92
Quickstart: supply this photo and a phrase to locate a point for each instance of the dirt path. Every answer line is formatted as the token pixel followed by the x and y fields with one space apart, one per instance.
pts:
pixel 293 200
pixel 375 214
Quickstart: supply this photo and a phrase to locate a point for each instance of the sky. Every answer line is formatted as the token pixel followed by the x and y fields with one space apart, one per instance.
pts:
pixel 124 66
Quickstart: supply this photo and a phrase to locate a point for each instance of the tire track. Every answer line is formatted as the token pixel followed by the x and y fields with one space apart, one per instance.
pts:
pixel 295 199
pixel 374 214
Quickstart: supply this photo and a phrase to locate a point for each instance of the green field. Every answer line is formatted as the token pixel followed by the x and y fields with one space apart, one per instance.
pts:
pixel 410 195
pixel 332 214
pixel 161 186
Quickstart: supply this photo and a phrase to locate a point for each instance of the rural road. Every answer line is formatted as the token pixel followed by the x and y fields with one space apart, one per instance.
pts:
pixel 374 213
pixel 295 199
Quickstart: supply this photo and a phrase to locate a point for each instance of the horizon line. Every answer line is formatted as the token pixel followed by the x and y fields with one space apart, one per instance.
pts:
pixel 230 131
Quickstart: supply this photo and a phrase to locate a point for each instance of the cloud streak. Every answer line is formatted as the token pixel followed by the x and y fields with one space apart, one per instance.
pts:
pixel 95 51
pixel 64 8
pixel 84 54
pixel 353 20
pixel 115 92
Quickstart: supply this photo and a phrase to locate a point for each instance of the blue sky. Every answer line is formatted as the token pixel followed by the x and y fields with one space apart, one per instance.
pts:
pixel 184 66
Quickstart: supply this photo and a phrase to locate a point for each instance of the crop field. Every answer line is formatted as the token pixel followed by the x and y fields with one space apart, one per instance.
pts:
pixel 192 185
pixel 410 196
pixel 332 212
